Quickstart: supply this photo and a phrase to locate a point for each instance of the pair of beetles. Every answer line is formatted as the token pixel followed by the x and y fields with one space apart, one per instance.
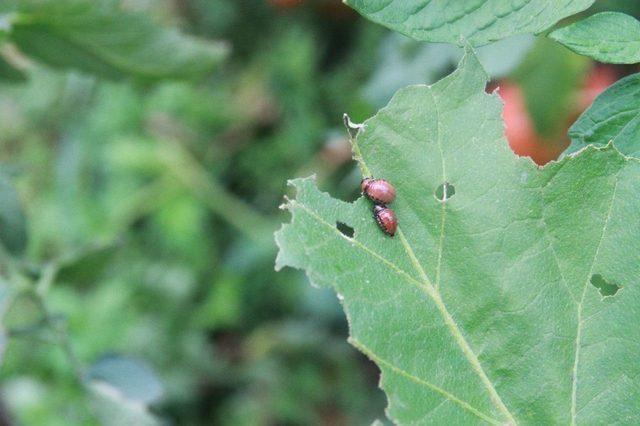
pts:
pixel 381 193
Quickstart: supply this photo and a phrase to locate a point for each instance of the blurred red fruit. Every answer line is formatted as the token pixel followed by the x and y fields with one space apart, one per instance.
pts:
pixel 520 131
pixel 285 4
pixel 599 78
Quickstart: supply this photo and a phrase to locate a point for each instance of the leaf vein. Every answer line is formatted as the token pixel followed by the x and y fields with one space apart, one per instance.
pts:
pixel 447 395
pixel 576 361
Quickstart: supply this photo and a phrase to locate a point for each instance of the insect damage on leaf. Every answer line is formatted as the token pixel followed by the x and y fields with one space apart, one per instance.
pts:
pixel 606 288
pixel 444 191
pixel 345 229
pixel 482 308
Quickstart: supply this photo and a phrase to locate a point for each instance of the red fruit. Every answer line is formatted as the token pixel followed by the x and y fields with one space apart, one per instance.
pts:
pixel 520 132
pixel 285 4
pixel 598 79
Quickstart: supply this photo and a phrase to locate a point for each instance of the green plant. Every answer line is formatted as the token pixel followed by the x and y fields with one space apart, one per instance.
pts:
pixel 512 300
pixel 100 39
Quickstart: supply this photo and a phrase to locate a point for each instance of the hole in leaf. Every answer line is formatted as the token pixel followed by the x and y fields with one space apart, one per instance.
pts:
pixel 345 229
pixel 606 288
pixel 445 191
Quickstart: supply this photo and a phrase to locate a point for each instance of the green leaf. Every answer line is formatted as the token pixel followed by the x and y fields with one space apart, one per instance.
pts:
pixel 483 307
pixel 4 306
pixel 478 21
pixel 112 409
pixel 13 229
pixel 550 77
pixel 9 73
pixel 404 61
pixel 614 117
pixel 99 38
pixel 609 37
pixel 135 380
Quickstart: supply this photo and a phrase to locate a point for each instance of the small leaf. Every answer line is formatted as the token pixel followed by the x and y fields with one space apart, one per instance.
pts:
pixel 98 37
pixel 481 309
pixel 609 37
pixel 478 21
pixel 13 229
pixel 614 117
pixel 112 409
pixel 134 380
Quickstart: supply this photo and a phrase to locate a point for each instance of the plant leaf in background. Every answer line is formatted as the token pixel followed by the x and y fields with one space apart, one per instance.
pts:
pixel 4 302
pixel 610 37
pixel 478 21
pixel 98 37
pixel 550 77
pixel 9 73
pixel 134 379
pixel 13 229
pixel 122 389
pixel 403 61
pixel 114 410
pixel 613 116
pixel 481 308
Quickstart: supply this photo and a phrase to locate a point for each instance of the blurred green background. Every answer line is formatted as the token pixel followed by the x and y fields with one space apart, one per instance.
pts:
pixel 150 210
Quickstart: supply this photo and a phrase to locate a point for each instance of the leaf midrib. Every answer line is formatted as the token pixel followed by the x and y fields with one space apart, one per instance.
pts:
pixel 409 279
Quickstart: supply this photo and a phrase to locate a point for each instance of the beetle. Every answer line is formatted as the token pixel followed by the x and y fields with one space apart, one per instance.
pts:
pixel 378 190
pixel 386 218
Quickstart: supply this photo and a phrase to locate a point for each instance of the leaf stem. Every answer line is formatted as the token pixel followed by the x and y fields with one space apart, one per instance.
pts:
pixel 353 131
pixel 36 291
pixel 224 204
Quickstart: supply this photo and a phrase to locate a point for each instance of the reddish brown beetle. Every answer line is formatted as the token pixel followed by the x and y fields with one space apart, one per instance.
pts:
pixel 378 190
pixel 386 218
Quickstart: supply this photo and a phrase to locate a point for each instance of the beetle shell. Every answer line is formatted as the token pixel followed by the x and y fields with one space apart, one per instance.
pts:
pixel 386 218
pixel 378 190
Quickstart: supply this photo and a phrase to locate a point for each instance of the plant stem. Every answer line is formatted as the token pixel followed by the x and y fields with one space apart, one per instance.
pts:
pixel 62 336
pixel 224 204
pixel 36 291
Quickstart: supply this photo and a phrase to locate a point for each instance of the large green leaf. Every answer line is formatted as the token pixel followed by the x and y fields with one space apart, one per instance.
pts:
pixel 100 38
pixel 479 21
pixel 488 306
pixel 614 117
pixel 607 37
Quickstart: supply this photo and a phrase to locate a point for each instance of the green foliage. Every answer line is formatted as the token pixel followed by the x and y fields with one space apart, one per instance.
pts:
pixel 145 292
pixel 113 409
pixel 609 37
pixel 613 117
pixel 150 233
pixel 550 77
pixel 479 21
pixel 10 73
pixel 99 38
pixel 404 61
pixel 483 307
pixel 13 230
